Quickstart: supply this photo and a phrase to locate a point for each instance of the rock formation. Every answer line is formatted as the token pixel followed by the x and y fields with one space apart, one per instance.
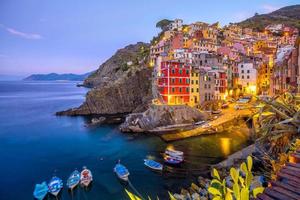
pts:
pixel 121 85
pixel 161 115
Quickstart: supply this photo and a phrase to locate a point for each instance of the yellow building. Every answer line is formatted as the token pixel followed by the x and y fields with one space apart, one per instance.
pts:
pixel 194 89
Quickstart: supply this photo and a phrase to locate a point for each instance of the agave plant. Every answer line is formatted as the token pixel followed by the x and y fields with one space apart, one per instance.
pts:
pixel 280 125
pixel 241 188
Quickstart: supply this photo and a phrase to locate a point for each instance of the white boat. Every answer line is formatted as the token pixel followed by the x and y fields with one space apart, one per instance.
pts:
pixel 86 177
pixel 121 171
pixel 173 153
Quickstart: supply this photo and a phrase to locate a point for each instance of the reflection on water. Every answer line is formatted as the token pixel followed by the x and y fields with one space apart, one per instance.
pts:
pixel 225 146
pixel 37 143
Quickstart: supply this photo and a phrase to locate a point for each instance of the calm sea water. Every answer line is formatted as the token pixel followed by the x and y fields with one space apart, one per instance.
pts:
pixel 35 144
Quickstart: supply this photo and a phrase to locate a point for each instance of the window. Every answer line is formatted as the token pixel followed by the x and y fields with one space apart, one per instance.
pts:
pixel 180 71
pixel 173 80
pixel 242 66
pixel 242 76
pixel 192 75
pixel 205 86
pixel 197 90
pixel 192 90
pixel 248 71
pixel 196 82
pixel 187 81
pixel 173 71
pixel 242 71
pixel 187 72
pixel 192 81
pixel 187 89
pixel 208 86
pixel 173 90
pixel 248 77
pixel 180 89
pixel 180 80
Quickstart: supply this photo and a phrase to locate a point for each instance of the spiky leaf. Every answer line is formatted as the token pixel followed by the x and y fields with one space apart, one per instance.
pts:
pixel 214 191
pixel 257 191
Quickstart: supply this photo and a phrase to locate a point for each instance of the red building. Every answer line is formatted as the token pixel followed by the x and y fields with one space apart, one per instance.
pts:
pixel 174 82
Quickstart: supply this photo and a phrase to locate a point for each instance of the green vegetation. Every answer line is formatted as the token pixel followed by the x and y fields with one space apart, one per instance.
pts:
pixel 163 24
pixel 289 15
pixel 279 122
pixel 241 189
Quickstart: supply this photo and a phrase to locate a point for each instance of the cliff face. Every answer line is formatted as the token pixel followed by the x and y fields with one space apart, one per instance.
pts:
pixel 121 85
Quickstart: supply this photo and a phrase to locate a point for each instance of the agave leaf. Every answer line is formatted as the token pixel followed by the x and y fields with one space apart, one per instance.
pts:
pixel 216 174
pixel 234 175
pixel 245 194
pixel 132 196
pixel 257 191
pixel 236 190
pixel 243 167
pixel 214 191
pixel 249 163
pixel 171 196
pixel 217 198
pixel 242 181
pixel 215 181
pixel 228 196
pixel 249 178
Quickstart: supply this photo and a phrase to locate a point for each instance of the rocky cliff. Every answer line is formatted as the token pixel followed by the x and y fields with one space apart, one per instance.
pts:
pixel 121 85
pixel 161 116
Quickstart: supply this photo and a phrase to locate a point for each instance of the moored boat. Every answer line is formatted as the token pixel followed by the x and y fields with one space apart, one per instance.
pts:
pixel 171 152
pixel 73 180
pixel 153 164
pixel 121 171
pixel 40 191
pixel 55 185
pixel 173 159
pixel 86 177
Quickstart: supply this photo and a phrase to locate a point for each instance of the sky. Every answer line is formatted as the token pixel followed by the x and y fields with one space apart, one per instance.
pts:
pixel 72 36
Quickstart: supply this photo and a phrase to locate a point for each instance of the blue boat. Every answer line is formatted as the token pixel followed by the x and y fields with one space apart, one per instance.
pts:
pixel 55 185
pixel 73 180
pixel 121 171
pixel 40 191
pixel 173 160
pixel 153 164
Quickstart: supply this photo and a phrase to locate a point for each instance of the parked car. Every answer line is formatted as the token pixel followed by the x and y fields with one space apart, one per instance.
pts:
pixel 225 105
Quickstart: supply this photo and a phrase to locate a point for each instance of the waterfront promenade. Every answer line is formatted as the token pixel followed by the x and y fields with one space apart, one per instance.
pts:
pixel 229 116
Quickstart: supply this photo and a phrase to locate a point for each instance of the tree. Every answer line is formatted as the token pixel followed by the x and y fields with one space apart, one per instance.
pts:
pixel 163 24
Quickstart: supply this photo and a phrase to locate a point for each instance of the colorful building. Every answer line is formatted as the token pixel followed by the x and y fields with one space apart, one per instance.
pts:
pixel 174 82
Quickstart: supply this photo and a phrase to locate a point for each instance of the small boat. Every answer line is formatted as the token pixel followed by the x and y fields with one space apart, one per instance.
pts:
pixel 86 177
pixel 55 185
pixel 153 164
pixel 173 160
pixel 174 153
pixel 73 180
pixel 40 191
pixel 121 171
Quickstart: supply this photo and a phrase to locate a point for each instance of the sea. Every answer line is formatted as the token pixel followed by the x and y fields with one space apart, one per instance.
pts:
pixel 35 145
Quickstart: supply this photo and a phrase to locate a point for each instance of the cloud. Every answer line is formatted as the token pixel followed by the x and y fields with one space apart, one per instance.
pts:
pixel 269 8
pixel 30 36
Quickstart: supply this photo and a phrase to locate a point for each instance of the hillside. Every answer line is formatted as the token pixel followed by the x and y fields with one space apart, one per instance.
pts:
pixel 289 15
pixel 121 85
pixel 57 77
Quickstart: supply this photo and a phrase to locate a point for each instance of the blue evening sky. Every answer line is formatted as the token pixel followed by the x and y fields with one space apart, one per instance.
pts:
pixel 39 36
